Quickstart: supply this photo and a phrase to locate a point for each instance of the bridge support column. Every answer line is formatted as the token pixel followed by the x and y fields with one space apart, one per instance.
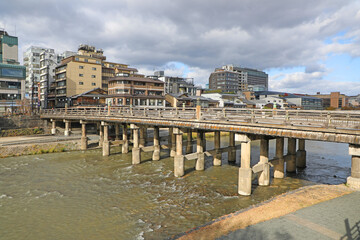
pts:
pixel 117 131
pixel 245 172
pixel 354 180
pixel 53 127
pixel 217 157
pixel 101 135
pixel 125 145
pixel 232 151
pixel 142 130
pixel 84 140
pixel 279 164
pixel 189 147
pixel 204 140
pixel 179 163
pixel 264 176
pixel 136 154
pixel 106 143
pixel 156 153
pixel 301 155
pixel 291 156
pixel 67 127
pixel 173 143
pixel 200 162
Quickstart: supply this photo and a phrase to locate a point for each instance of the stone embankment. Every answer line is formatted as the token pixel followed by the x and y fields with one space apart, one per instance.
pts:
pixel 274 208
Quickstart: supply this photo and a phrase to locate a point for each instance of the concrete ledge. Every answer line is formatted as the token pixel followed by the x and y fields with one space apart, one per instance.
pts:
pixel 353 183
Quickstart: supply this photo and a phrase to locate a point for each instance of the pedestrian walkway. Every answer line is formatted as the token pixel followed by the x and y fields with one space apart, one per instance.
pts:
pixel 338 218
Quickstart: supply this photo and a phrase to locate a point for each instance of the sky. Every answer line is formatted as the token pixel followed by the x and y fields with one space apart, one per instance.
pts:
pixel 305 46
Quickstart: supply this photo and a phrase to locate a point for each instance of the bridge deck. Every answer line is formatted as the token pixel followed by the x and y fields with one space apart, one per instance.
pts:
pixel 332 126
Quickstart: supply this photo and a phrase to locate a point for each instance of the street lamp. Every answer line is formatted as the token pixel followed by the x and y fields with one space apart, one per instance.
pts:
pixel 12 101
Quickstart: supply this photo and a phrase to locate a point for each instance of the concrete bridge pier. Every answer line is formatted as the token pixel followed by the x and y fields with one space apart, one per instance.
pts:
pixel 279 162
pixel 245 171
pixel 173 142
pixel 156 153
pixel 232 151
pixel 106 143
pixel 101 135
pixel 291 156
pixel 84 139
pixel 142 130
pixel 125 145
pixel 264 175
pixel 67 127
pixel 301 155
pixel 136 154
pixel 179 163
pixel 204 140
pixel 53 126
pixel 217 156
pixel 354 180
pixel 117 131
pixel 200 162
pixel 189 146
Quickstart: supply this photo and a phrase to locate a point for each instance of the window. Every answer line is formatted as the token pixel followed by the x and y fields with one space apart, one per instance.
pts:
pixel 81 83
pixel 77 59
pixel 81 75
pixel 81 67
pixel 93 84
pixel 93 76
pixel 86 60
pixel 94 68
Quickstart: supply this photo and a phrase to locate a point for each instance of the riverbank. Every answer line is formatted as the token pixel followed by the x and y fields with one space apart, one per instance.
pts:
pixel 39 144
pixel 271 209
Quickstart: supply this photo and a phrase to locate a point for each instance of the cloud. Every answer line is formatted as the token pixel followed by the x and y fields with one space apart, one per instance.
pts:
pixel 311 83
pixel 201 34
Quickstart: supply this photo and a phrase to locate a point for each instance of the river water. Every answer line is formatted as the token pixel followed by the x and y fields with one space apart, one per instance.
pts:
pixel 82 195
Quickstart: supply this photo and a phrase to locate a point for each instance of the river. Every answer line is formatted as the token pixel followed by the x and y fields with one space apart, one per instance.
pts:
pixel 82 195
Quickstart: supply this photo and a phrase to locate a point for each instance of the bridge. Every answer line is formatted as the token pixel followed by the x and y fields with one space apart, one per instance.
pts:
pixel 246 125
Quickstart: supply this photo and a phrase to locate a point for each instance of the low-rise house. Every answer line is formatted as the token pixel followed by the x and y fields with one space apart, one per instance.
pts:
pixel 184 100
pixel 226 99
pixel 94 97
pixel 292 100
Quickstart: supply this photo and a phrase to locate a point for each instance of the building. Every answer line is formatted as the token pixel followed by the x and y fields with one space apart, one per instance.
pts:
pixel 185 100
pixel 289 100
pixel 31 60
pixel 354 101
pixel 333 100
pixel 228 79
pixel 235 79
pixel 75 75
pixel 256 79
pixel 136 90
pixel 176 85
pixel 12 74
pixel 49 60
pixel 226 99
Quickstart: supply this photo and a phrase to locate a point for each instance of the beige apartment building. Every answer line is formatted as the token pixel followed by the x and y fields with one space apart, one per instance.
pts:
pixel 75 75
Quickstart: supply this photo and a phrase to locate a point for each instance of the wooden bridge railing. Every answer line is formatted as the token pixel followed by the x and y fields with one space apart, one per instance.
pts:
pixel 311 118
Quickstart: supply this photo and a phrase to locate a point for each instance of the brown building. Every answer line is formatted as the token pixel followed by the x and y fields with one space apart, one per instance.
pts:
pixel 136 90
pixel 333 100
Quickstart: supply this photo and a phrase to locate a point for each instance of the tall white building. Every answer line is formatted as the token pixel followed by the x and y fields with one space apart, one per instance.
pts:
pixel 40 72
pixel 31 60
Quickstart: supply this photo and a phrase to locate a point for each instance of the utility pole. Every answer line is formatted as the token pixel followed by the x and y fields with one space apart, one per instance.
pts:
pixel 32 95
